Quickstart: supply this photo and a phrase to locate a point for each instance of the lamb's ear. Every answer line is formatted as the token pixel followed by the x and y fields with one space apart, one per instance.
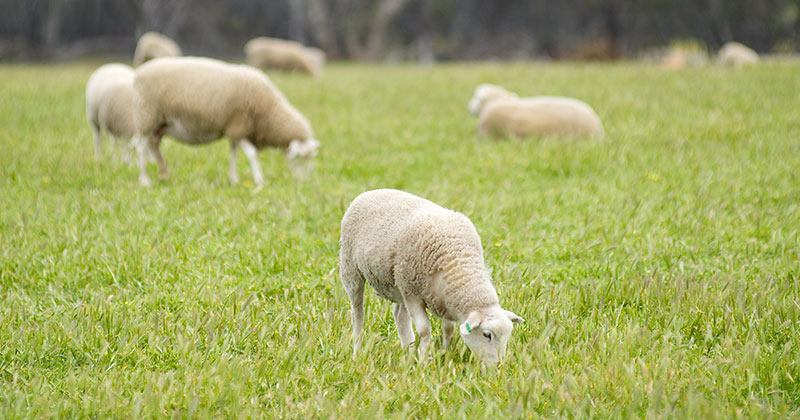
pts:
pixel 514 317
pixel 473 321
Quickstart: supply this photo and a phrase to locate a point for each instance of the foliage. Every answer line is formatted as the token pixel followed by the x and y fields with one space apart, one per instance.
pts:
pixel 657 270
pixel 397 29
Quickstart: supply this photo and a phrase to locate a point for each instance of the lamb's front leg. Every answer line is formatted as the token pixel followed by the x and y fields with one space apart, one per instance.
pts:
pixel 252 155
pixel 403 323
pixel 422 323
pixel 447 331
pixel 154 142
pixel 141 148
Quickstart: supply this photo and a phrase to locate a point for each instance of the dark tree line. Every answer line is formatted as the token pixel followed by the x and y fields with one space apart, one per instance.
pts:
pixel 397 29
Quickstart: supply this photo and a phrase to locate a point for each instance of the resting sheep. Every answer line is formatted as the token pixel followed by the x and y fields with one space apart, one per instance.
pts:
pixel 109 105
pixel 504 114
pixel 199 100
pixel 421 256
pixel 154 45
pixel 280 54
pixel 736 54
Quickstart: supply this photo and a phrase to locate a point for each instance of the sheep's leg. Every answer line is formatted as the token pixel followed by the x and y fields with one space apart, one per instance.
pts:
pixel 233 175
pixel 141 149
pixel 353 284
pixel 98 141
pixel 447 331
pixel 153 145
pixel 416 309
pixel 252 155
pixel 123 148
pixel 403 322
pixel 114 145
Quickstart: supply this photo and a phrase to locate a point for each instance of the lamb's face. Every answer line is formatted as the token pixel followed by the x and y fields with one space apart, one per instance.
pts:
pixel 484 94
pixel 486 333
pixel 300 156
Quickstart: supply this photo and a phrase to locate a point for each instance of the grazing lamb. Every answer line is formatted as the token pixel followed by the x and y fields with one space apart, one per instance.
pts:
pixel 199 100
pixel 736 54
pixel 154 45
pixel 421 256
pixel 280 54
pixel 503 114
pixel 109 105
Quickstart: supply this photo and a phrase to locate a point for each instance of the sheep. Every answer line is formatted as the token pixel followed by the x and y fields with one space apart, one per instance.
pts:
pixel 421 256
pixel 109 105
pixel 154 45
pixel 280 54
pixel 199 100
pixel 502 113
pixel 736 54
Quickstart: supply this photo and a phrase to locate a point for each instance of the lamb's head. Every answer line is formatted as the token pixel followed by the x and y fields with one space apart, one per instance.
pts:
pixel 486 333
pixel 300 156
pixel 486 93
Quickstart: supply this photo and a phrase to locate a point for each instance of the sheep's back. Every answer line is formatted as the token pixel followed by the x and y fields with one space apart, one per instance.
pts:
pixel 394 236
pixel 543 115
pixel 202 90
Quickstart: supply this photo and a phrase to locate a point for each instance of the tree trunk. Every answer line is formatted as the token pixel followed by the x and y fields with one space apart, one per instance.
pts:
pixel 376 37
pixel 51 30
pixel 322 28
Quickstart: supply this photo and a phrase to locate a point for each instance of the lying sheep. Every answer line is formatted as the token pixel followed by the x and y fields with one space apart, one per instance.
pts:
pixel 109 105
pixel 504 114
pixel 421 256
pixel 280 54
pixel 199 100
pixel 736 54
pixel 154 45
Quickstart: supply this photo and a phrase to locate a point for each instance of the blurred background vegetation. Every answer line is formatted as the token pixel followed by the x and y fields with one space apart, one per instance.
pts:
pixel 415 30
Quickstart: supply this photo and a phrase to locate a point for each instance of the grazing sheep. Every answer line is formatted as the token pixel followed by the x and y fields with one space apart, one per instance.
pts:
pixel 421 256
pixel 736 54
pixel 199 100
pixel 154 45
pixel 503 114
pixel 280 54
pixel 109 105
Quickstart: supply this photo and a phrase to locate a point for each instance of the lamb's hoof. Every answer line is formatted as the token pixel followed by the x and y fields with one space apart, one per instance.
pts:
pixel 144 181
pixel 234 180
pixel 163 175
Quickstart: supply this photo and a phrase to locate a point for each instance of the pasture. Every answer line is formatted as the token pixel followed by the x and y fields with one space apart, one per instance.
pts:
pixel 658 271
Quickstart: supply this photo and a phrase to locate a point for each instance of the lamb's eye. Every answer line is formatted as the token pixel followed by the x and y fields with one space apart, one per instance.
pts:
pixel 488 335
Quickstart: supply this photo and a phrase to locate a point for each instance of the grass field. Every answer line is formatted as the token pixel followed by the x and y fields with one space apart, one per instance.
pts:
pixel 658 271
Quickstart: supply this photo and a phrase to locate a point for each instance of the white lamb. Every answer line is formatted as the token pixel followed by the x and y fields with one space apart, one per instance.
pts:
pixel 503 114
pixel 199 100
pixel 280 54
pixel 154 45
pixel 421 256
pixel 736 54
pixel 109 105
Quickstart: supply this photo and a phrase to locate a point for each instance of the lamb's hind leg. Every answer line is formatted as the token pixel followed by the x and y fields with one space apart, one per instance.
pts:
pixel 233 174
pixel 403 322
pixel 353 284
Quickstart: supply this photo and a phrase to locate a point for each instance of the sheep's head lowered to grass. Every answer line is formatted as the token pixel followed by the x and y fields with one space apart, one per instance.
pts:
pixel 486 333
pixel 300 157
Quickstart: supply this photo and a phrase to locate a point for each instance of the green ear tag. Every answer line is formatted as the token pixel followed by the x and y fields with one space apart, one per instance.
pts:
pixel 469 329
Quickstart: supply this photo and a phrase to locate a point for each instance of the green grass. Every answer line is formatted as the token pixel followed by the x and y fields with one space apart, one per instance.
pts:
pixel 658 271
